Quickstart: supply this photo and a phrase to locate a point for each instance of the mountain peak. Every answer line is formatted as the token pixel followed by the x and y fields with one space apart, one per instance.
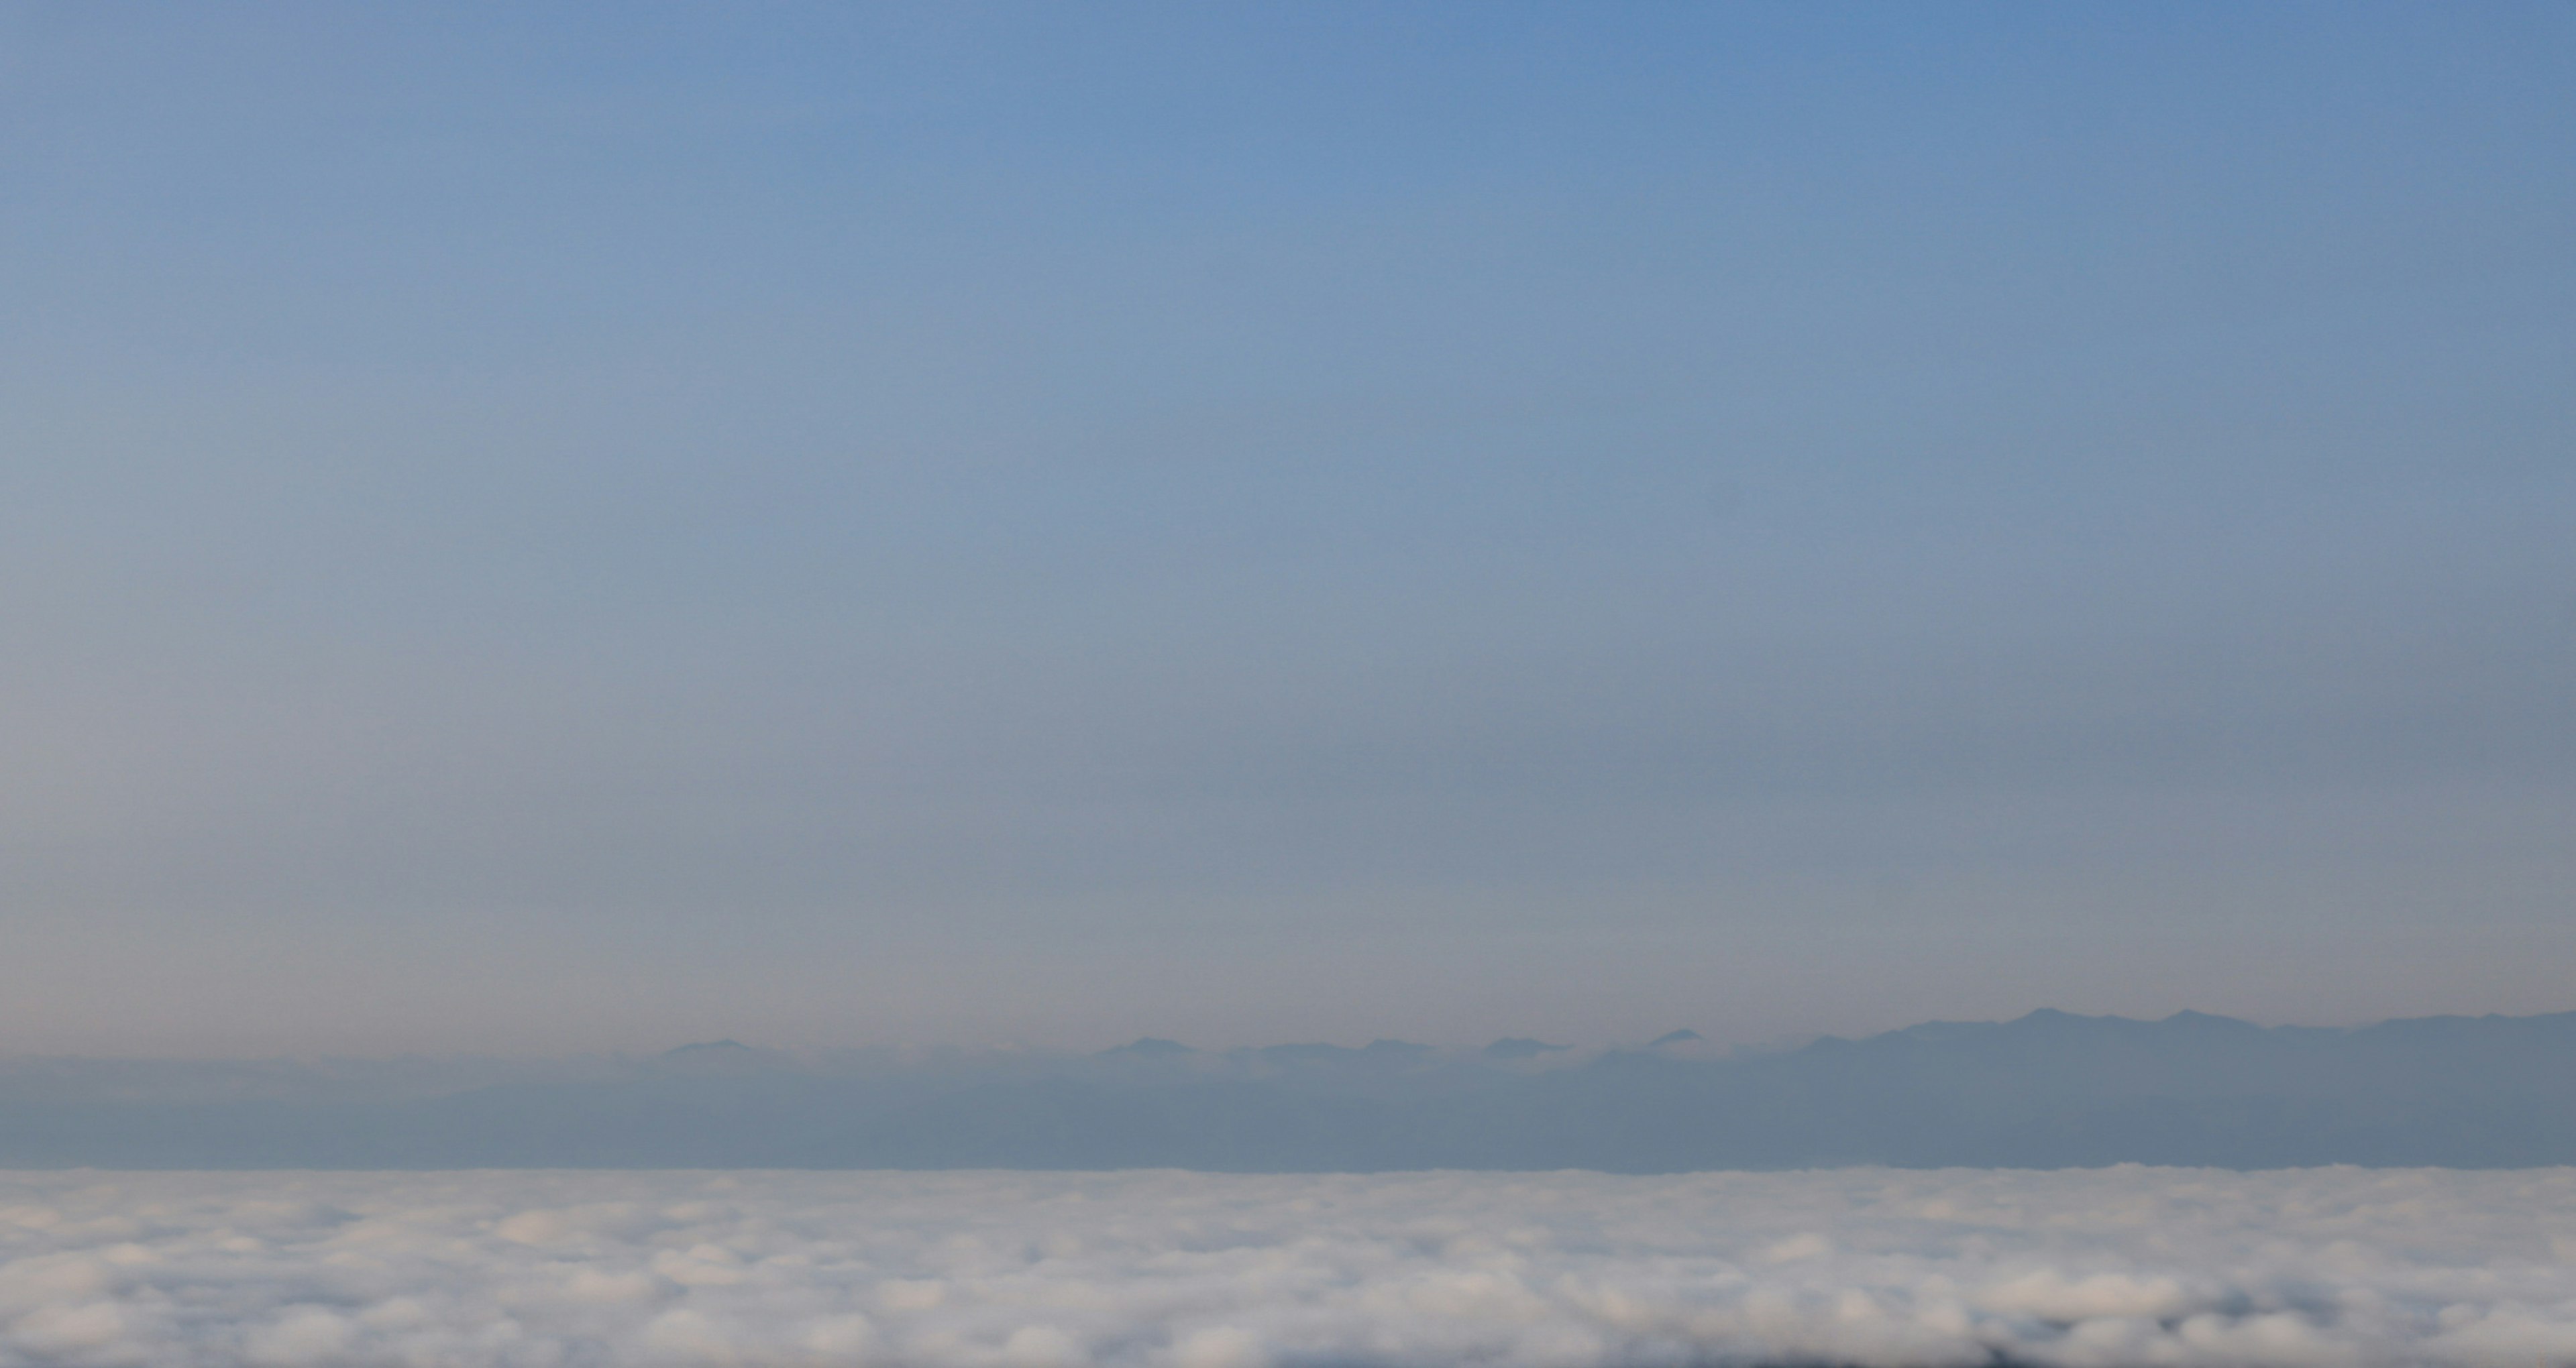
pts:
pixel 1151 1047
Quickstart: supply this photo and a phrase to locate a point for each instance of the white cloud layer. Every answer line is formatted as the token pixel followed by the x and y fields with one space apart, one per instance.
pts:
pixel 2115 1268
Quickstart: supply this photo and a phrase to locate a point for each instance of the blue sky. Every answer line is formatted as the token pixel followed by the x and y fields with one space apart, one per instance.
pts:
pixel 618 525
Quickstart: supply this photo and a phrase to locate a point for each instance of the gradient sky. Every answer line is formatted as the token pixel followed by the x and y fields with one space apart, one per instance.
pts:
pixel 594 527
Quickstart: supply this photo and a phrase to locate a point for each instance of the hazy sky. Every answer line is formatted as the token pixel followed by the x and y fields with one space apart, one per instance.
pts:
pixel 575 528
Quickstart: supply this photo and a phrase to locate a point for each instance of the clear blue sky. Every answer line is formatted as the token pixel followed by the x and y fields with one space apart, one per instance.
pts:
pixel 602 526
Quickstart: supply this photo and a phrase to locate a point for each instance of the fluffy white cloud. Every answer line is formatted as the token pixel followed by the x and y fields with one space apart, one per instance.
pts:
pixel 2118 1268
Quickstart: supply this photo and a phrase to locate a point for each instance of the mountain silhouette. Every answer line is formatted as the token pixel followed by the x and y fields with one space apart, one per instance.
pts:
pixel 2048 1090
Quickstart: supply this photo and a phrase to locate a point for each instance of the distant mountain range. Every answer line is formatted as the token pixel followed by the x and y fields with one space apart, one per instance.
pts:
pixel 2048 1090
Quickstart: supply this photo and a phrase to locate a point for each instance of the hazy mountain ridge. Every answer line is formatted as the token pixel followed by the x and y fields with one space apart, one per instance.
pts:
pixel 2050 1089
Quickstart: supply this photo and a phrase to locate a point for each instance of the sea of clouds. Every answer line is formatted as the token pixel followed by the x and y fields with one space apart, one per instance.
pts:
pixel 2126 1266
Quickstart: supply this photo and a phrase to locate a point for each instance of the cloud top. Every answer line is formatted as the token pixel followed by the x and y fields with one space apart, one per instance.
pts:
pixel 2330 1268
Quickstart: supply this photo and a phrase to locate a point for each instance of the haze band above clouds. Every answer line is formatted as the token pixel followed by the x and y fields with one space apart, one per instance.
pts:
pixel 2126 1266
pixel 2050 1090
